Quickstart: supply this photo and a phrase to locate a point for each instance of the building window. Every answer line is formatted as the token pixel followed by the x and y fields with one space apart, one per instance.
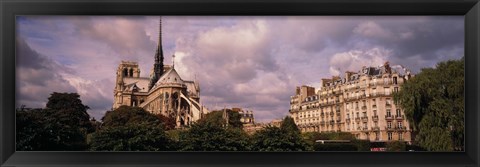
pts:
pixel 389 114
pixel 395 80
pixel 389 135
pixel 374 112
pixel 389 125
pixel 399 124
pixel 399 113
pixel 377 136
pixel 400 136
pixel 395 89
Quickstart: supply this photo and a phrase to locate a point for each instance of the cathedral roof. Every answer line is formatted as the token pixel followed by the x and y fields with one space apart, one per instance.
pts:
pixel 169 77
pixel 140 83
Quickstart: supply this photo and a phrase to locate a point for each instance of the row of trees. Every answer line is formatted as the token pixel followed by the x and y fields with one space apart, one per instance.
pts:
pixel 65 125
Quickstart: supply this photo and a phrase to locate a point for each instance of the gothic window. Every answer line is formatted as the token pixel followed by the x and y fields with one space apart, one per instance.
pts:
pixel 131 72
pixel 125 72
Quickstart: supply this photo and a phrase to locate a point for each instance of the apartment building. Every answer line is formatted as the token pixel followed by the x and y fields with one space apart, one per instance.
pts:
pixel 360 103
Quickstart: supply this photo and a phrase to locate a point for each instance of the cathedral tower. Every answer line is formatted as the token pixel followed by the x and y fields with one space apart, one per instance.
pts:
pixel 126 69
pixel 158 65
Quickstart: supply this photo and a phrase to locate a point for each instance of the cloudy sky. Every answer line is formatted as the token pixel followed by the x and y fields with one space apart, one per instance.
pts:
pixel 250 62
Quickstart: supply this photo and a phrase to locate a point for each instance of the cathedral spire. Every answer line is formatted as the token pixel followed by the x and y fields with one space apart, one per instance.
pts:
pixel 158 65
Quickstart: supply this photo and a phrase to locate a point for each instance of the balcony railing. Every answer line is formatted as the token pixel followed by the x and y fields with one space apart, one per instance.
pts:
pixel 389 128
pixel 400 117
pixel 364 128
pixel 375 118
pixel 388 117
pixel 375 128
pixel 402 128
pixel 357 119
pixel 332 122
pixel 365 119
pixel 377 94
pixel 364 107
pixel 388 105
pixel 374 106
pixel 347 120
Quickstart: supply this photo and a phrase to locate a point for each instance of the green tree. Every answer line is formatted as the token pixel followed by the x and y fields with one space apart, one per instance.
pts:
pixel 167 122
pixel 217 118
pixel 126 115
pixel 29 128
pixel 277 139
pixel 62 126
pixel 396 146
pixel 433 102
pixel 212 137
pixel 131 137
pixel 288 124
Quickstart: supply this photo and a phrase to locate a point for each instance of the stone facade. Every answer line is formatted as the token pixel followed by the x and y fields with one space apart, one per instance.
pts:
pixel 360 103
pixel 247 116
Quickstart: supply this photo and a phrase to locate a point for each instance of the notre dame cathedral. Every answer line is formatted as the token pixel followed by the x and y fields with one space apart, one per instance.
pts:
pixel 164 92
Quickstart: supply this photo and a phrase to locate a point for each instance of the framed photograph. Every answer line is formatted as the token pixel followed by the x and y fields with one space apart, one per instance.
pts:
pixel 304 83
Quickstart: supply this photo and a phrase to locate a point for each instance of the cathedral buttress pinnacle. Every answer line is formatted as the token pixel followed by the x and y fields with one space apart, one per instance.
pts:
pixel 158 65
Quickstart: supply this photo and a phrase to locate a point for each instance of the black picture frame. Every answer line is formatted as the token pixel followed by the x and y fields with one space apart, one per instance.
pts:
pixel 9 9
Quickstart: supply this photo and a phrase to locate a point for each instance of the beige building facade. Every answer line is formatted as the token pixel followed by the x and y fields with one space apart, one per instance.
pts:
pixel 246 115
pixel 164 92
pixel 360 103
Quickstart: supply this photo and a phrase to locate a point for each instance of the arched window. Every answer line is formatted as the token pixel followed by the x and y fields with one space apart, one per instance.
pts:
pixel 125 72
pixel 131 72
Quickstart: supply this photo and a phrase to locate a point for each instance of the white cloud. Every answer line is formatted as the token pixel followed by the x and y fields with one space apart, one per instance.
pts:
pixel 354 60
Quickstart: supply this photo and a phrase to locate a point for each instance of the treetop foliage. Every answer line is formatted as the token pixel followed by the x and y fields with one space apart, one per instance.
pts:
pixel 126 115
pixel 217 118
pixel 433 102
